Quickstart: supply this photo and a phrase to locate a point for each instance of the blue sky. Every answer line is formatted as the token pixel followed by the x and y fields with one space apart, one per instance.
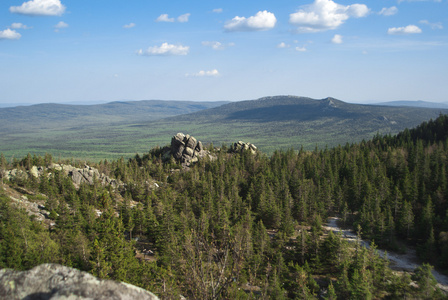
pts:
pixel 356 51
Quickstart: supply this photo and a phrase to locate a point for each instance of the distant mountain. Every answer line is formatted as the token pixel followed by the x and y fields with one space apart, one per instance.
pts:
pixel 289 121
pixel 53 115
pixel 125 128
pixel 414 104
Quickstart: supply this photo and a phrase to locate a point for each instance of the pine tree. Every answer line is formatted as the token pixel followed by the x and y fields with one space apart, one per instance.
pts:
pixel 425 280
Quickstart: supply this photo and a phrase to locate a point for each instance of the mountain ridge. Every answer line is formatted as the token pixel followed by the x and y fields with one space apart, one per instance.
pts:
pixel 271 123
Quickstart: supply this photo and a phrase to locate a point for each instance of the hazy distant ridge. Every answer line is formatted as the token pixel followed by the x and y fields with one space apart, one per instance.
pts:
pixel 419 103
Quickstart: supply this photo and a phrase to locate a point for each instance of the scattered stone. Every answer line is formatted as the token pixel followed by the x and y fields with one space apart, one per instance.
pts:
pixel 32 208
pixel 240 146
pixel 52 281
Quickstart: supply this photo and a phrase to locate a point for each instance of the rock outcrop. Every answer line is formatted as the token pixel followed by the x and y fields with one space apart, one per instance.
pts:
pixel 78 175
pixel 186 149
pixel 32 208
pixel 85 175
pixel 240 146
pixel 52 281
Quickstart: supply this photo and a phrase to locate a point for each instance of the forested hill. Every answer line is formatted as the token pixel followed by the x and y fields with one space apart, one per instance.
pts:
pixel 289 121
pixel 428 132
pixel 303 109
pixel 251 224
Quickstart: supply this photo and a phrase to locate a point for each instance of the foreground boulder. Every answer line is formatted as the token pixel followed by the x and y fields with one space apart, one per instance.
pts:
pixel 52 281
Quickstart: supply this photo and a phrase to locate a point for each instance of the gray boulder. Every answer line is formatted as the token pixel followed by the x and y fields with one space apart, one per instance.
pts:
pixel 52 281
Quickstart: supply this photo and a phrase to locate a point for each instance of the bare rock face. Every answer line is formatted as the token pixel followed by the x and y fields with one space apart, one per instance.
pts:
pixel 86 175
pixel 186 149
pixel 52 281
pixel 240 146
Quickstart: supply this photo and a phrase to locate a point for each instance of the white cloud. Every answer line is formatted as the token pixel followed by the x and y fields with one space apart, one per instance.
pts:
pixel 437 25
pixel 130 25
pixel 410 29
pixel 217 10
pixel 283 45
pixel 212 73
pixel 325 15
pixel 337 39
pixel 9 34
pixel 263 20
pixel 217 45
pixel 39 8
pixel 301 49
pixel 399 1
pixel 183 18
pixel 164 18
pixel 388 11
pixel 19 26
pixel 60 25
pixel 165 49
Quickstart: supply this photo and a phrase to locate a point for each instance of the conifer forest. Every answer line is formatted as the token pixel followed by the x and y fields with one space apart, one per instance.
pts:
pixel 244 225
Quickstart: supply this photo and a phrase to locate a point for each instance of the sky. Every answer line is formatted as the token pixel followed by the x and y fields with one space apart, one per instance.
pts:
pixel 209 50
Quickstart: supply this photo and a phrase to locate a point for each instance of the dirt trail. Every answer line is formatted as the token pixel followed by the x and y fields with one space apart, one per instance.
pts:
pixel 400 262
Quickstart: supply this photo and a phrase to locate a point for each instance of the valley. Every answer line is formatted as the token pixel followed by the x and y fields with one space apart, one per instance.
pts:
pixel 125 128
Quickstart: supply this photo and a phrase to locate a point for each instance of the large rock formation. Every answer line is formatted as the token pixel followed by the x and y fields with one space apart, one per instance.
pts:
pixel 52 281
pixel 186 149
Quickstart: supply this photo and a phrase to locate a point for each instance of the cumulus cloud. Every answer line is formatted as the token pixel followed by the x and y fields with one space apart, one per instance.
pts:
pixel 263 20
pixel 301 49
pixel 388 11
pixel 325 15
pixel 437 25
pixel 217 45
pixel 283 45
pixel 165 50
pixel 130 25
pixel 183 18
pixel 9 34
pixel 217 10
pixel 39 8
pixel 337 39
pixel 164 18
pixel 60 25
pixel 410 29
pixel 211 73
pixel 19 26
